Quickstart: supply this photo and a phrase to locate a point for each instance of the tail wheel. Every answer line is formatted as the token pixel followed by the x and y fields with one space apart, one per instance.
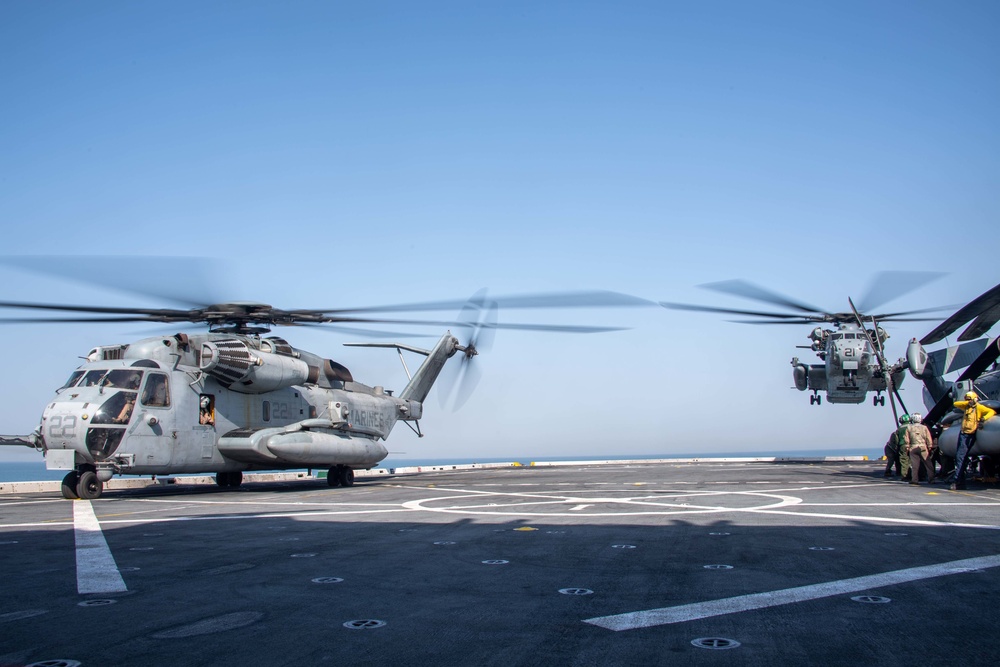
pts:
pixel 69 484
pixel 89 487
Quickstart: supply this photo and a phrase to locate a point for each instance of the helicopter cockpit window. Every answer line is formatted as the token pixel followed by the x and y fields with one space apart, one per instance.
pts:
pixel 73 379
pixel 116 410
pixel 155 393
pixel 124 379
pixel 837 336
pixel 92 378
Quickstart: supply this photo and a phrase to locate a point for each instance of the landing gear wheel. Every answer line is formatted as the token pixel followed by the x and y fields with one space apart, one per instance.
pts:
pixel 89 487
pixel 235 479
pixel 69 484
pixel 346 476
pixel 222 479
pixel 333 476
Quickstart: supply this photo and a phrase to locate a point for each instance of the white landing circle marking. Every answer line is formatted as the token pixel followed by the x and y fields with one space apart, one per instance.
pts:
pixel 327 580
pixel 141 548
pixel 576 591
pixel 820 548
pixel 720 534
pixel 623 546
pixel 718 567
pixel 896 534
pixel 9 542
pixel 58 662
pixel 550 503
pixel 495 562
pixel 305 555
pixel 445 543
pixel 871 599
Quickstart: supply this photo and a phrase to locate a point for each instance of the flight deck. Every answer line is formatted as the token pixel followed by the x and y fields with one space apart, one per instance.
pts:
pixel 751 563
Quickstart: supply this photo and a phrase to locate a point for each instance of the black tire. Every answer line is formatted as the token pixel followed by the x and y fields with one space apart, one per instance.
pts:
pixel 333 476
pixel 235 479
pixel 346 476
pixel 69 484
pixel 89 487
pixel 222 479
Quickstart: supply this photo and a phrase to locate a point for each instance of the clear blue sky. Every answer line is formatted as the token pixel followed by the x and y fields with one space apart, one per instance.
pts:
pixel 344 154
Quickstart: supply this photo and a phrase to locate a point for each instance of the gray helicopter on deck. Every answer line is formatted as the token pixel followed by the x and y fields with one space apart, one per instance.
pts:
pixel 850 343
pixel 235 399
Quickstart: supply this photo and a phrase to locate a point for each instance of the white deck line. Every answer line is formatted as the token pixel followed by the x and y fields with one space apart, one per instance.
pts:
pixel 734 605
pixel 96 570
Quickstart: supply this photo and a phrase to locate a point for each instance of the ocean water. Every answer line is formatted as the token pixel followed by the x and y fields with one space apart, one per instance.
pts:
pixel 35 471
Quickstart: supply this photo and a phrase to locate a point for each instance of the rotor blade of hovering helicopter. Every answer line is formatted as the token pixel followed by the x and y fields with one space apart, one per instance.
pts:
pixel 748 290
pixel 367 333
pixel 731 311
pixel 184 280
pixel 887 286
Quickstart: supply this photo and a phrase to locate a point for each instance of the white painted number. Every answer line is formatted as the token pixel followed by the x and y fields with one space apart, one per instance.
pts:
pixel 62 427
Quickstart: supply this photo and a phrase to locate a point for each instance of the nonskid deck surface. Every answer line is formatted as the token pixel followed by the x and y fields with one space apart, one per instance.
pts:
pixel 763 563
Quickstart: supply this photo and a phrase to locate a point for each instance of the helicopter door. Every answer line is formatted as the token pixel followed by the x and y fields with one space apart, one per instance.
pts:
pixel 152 437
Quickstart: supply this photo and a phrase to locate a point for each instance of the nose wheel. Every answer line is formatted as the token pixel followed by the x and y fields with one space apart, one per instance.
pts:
pixel 82 484
pixel 815 399
pixel 878 400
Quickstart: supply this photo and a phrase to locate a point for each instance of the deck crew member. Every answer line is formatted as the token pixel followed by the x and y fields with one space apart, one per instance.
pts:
pixel 973 414
pixel 920 442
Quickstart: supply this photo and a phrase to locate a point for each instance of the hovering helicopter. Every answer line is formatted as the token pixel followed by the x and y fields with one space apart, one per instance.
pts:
pixel 851 344
pixel 234 399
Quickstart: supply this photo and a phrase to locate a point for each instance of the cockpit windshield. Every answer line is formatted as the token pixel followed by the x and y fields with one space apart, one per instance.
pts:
pixel 72 379
pixel 124 379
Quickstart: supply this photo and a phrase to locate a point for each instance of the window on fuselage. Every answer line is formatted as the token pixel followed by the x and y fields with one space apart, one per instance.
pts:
pixel 156 392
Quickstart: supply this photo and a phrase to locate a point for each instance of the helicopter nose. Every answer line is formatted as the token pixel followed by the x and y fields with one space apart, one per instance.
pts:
pixel 64 426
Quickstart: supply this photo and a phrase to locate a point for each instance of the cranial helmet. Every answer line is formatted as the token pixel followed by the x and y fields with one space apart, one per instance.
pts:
pixel 971 396
pixel 905 419
pixel 915 418
pixel 205 402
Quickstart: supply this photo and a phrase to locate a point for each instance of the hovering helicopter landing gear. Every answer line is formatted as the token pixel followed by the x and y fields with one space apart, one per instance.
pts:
pixel 229 480
pixel 340 476
pixel 69 485
pixel 878 400
pixel 815 399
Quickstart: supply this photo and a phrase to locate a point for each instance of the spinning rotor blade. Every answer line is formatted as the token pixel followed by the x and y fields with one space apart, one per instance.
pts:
pixel 479 318
pixel 748 290
pixel 713 309
pixel 890 285
pixel 183 280
pixel 581 299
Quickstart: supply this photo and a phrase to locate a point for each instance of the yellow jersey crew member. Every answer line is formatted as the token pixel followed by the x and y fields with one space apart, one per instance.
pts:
pixel 973 413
